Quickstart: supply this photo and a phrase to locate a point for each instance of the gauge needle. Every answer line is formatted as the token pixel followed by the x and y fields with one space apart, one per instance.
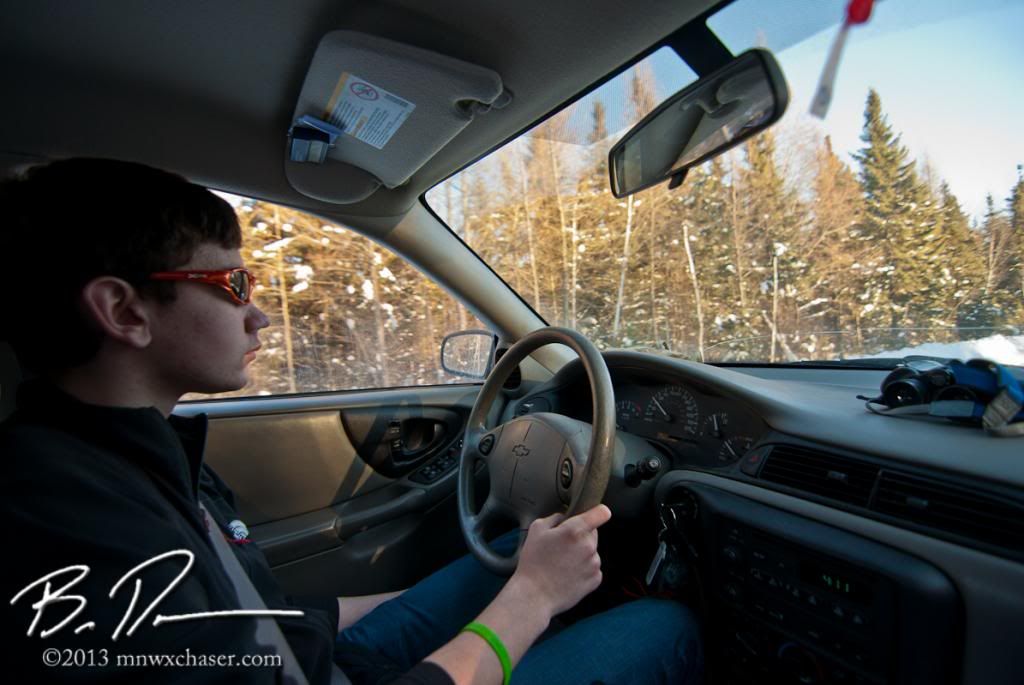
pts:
pixel 661 408
pixel 730 448
pixel 714 422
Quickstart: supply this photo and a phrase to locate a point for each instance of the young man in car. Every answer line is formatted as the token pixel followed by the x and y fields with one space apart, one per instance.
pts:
pixel 127 290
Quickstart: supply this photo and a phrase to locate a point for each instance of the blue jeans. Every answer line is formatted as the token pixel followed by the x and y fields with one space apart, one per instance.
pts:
pixel 646 642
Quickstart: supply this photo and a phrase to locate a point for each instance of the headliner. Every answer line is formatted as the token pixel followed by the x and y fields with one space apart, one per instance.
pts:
pixel 207 89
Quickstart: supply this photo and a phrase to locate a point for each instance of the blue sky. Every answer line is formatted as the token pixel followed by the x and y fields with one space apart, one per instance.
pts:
pixel 950 75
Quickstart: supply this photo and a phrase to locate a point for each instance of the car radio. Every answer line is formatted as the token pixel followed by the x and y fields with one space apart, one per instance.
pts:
pixel 794 602
pixel 829 620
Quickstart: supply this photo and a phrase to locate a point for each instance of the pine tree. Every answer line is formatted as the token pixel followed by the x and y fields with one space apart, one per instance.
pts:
pixel 1003 264
pixel 834 255
pixel 961 279
pixel 898 227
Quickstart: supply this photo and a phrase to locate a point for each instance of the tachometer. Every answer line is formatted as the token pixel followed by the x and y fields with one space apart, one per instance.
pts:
pixel 676 407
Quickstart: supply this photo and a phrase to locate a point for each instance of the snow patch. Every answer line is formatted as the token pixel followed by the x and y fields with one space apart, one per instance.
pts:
pixel 1001 349
pixel 233 200
pixel 277 245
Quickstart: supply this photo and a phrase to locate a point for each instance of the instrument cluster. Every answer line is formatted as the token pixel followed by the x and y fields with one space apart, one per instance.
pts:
pixel 702 428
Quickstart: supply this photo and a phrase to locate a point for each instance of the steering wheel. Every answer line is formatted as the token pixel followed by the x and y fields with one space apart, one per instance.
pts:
pixel 539 463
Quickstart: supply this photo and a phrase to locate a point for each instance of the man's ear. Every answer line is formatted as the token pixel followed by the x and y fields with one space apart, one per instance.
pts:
pixel 114 306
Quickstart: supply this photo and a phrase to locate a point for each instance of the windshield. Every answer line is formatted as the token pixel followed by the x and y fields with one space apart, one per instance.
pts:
pixel 894 226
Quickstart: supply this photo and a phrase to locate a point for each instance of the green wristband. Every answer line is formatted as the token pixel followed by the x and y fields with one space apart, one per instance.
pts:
pixel 491 638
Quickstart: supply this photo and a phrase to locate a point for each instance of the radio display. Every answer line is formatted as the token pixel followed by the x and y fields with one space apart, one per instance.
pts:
pixel 834 581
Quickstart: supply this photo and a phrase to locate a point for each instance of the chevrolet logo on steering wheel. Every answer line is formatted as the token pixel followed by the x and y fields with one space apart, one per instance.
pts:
pixel 520 450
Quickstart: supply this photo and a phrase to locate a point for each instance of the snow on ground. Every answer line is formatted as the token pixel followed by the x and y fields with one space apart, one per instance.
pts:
pixel 1002 349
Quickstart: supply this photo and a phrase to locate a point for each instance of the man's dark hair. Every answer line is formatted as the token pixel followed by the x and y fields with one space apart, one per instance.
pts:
pixel 65 223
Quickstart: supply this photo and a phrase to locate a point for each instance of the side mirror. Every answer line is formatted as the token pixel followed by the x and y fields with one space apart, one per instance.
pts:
pixel 468 353
pixel 699 122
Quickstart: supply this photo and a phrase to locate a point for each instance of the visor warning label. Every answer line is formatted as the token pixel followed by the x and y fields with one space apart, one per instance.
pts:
pixel 365 111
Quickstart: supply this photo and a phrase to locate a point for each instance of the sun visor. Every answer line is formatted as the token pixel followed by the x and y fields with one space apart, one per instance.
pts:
pixel 373 111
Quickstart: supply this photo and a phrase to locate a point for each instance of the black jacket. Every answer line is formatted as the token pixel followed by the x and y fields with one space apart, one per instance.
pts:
pixel 111 488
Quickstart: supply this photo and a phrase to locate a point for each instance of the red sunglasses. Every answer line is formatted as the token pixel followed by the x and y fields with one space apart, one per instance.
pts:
pixel 239 282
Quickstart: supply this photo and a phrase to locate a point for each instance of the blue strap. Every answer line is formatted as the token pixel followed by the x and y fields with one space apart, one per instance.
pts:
pixel 1001 398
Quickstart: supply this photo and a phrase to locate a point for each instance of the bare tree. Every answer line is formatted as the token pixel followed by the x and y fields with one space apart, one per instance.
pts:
pixel 696 290
pixel 529 230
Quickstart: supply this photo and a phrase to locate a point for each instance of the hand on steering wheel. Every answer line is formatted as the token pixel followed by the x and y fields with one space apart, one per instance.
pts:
pixel 539 464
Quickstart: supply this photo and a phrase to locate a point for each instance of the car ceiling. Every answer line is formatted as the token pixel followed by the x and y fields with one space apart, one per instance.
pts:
pixel 208 89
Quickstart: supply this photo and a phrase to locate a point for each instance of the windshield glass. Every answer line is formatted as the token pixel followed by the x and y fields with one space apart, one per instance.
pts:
pixel 894 226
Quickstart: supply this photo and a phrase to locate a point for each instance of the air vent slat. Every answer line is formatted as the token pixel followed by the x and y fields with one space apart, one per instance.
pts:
pixel 820 473
pixel 952 509
pixel 837 474
pixel 833 464
pixel 823 458
pixel 817 476
pixel 899 483
pixel 968 513
pixel 974 509
pixel 1012 539
pixel 830 493
pixel 962 517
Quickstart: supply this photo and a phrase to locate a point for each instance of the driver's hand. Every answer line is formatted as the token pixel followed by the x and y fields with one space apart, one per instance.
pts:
pixel 559 559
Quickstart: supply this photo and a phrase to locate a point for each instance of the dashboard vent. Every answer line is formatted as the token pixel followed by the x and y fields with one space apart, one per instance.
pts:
pixel 515 379
pixel 820 473
pixel 978 517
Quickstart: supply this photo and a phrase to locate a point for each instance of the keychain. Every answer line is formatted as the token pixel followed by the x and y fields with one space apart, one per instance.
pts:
pixel 667 571
pixel 659 554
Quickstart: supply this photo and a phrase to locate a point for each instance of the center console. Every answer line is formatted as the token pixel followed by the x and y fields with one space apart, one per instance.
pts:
pixel 792 601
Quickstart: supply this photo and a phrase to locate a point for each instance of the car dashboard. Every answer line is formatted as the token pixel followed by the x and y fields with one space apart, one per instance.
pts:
pixel 824 544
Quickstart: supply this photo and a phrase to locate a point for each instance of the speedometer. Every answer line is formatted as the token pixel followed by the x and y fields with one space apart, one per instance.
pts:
pixel 675 408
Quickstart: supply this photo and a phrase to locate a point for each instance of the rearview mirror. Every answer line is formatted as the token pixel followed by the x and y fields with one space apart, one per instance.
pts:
pixel 699 122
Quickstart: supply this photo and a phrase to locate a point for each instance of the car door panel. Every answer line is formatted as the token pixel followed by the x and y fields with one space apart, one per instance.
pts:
pixel 390 556
pixel 284 465
pixel 328 496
